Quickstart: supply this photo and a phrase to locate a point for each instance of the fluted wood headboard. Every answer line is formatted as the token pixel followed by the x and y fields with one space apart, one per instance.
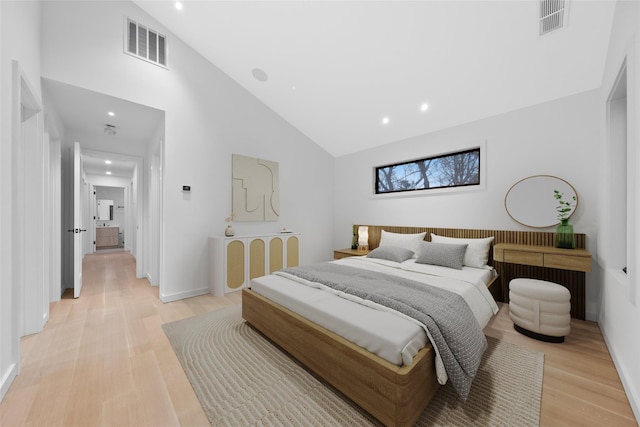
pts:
pixel 541 238
pixel 573 280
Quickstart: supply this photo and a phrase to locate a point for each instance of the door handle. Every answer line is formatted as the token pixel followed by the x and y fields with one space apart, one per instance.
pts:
pixel 71 231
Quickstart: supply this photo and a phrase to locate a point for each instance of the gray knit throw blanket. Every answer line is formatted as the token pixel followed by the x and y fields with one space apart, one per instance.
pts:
pixel 446 315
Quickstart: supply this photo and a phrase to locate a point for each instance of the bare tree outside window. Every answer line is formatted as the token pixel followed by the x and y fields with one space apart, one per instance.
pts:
pixel 449 170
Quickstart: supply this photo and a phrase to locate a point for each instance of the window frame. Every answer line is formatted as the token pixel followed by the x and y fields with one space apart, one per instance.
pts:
pixel 481 185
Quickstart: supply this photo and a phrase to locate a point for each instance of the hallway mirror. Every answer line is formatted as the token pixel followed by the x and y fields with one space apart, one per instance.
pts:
pixel 530 201
pixel 105 210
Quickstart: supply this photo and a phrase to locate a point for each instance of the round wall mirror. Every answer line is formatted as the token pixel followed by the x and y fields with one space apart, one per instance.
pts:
pixel 530 201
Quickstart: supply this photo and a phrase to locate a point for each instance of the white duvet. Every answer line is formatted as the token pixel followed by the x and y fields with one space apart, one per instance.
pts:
pixel 382 331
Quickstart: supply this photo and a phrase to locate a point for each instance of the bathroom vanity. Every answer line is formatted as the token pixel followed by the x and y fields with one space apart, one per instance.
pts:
pixel 107 237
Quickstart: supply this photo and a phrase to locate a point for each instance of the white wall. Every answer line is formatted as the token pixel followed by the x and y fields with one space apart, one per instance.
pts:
pixel 55 130
pixel 108 181
pixel 153 207
pixel 619 314
pixel 208 118
pixel 20 40
pixel 55 222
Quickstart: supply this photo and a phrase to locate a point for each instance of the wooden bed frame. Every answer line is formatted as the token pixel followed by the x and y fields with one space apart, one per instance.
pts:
pixel 394 395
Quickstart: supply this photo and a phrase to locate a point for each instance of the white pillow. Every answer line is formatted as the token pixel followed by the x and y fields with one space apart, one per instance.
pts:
pixel 477 254
pixel 407 241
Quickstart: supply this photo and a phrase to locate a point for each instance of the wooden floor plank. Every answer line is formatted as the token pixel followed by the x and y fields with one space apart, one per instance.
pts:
pixel 580 386
pixel 588 390
pixel 103 360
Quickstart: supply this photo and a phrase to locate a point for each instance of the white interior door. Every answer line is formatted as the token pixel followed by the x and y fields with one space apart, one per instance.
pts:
pixel 77 220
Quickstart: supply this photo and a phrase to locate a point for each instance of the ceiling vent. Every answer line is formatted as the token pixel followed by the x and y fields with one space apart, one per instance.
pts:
pixel 553 15
pixel 145 43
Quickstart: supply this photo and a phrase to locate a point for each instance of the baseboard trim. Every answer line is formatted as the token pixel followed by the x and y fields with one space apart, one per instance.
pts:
pixel 150 279
pixel 182 295
pixel 632 393
pixel 7 380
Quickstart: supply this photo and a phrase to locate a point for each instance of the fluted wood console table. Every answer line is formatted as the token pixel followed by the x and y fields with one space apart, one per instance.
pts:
pixel 566 267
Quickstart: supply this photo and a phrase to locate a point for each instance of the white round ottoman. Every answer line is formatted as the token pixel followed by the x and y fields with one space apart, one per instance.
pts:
pixel 540 309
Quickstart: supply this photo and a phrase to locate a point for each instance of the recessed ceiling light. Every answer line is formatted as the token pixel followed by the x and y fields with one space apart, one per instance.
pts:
pixel 385 120
pixel 108 162
pixel 111 113
pixel 260 75
pixel 178 5
pixel 108 172
pixel 424 107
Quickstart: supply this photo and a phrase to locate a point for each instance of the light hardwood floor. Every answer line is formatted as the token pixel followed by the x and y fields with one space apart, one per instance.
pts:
pixel 103 360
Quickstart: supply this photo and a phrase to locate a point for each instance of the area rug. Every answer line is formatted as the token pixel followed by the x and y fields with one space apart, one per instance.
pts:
pixel 241 378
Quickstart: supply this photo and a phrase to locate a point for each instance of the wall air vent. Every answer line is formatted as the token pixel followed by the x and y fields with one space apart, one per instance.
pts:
pixel 553 15
pixel 145 43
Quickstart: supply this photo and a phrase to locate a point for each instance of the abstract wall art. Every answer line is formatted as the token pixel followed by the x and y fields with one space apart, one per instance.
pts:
pixel 255 189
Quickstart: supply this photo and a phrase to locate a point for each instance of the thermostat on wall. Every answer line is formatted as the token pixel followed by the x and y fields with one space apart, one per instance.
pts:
pixel 186 188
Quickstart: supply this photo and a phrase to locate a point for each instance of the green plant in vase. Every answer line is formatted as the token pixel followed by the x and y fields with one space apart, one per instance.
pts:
pixel 354 238
pixel 564 230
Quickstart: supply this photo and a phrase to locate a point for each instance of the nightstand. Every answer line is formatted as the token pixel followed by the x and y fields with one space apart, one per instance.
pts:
pixel 343 253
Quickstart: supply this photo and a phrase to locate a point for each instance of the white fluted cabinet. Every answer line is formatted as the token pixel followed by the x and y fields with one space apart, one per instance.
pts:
pixel 234 261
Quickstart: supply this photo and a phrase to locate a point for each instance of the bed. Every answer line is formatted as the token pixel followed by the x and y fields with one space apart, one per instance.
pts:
pixel 378 358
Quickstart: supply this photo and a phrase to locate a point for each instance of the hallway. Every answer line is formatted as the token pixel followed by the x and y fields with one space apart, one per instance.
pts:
pixel 103 359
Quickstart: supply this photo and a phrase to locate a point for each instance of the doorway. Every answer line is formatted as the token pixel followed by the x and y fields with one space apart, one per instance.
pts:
pixel 117 138
pixel 110 218
pixel 620 222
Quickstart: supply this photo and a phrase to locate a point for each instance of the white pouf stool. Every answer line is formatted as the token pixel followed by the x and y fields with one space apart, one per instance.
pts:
pixel 540 309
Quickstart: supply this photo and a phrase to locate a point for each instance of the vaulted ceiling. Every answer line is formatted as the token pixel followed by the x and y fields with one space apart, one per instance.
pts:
pixel 336 69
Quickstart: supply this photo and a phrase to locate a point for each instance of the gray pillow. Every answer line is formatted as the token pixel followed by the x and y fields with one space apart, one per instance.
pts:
pixel 391 253
pixel 443 254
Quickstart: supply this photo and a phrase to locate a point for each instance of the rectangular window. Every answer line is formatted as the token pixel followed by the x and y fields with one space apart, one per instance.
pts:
pixel 458 169
pixel 145 43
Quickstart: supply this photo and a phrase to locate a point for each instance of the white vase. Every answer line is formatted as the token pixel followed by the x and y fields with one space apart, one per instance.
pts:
pixel 229 231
